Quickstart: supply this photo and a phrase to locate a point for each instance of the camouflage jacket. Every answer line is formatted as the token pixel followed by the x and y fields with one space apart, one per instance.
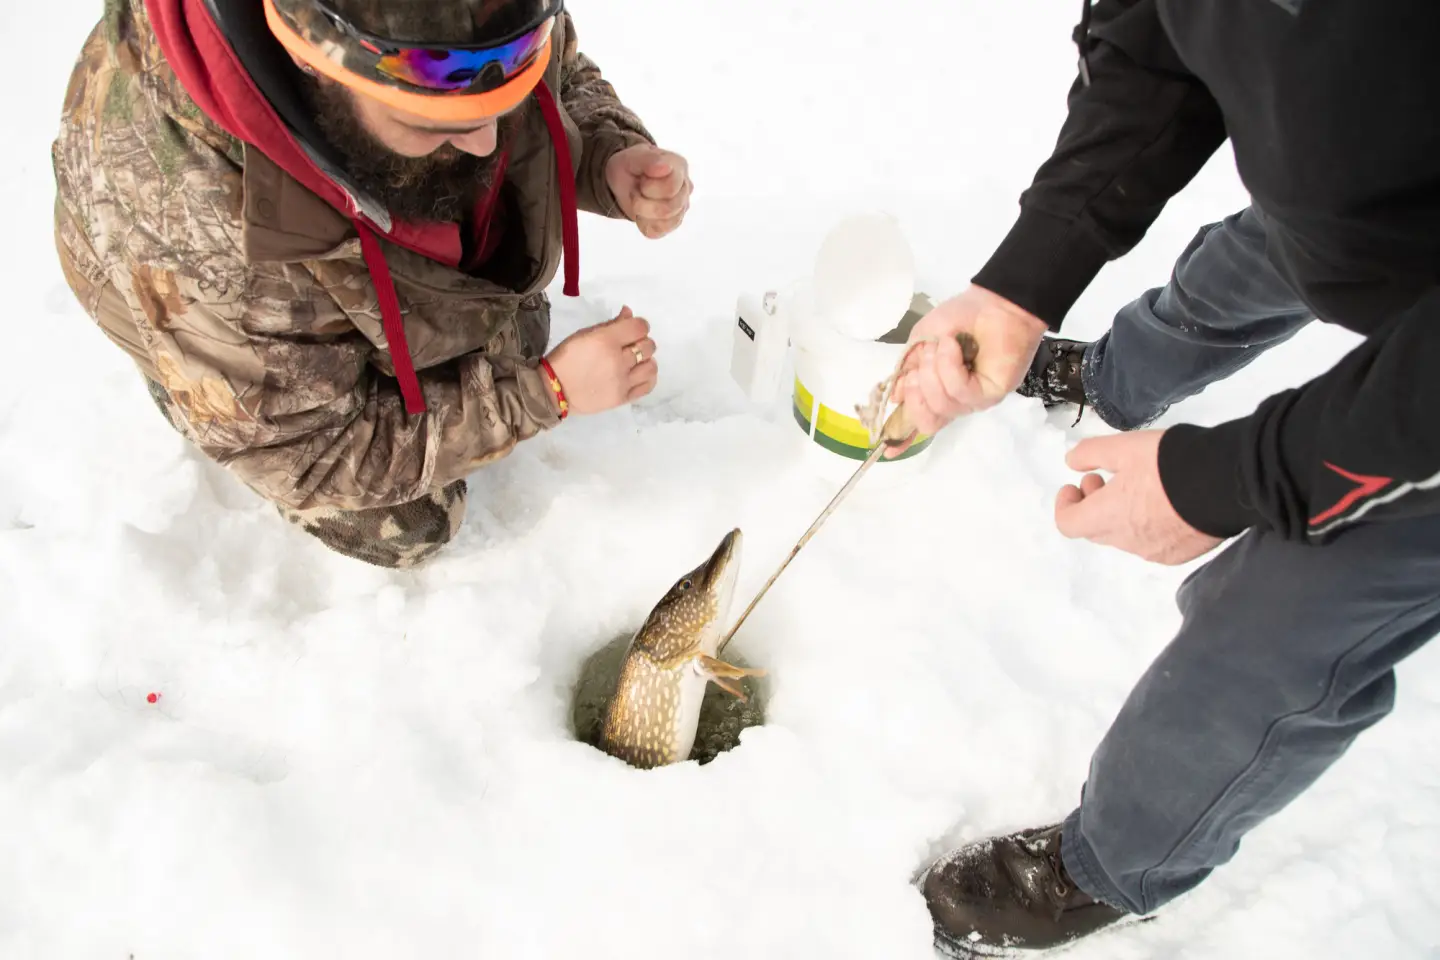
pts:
pixel 215 245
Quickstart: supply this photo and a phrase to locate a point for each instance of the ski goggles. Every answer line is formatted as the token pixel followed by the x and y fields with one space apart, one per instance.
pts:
pixel 444 82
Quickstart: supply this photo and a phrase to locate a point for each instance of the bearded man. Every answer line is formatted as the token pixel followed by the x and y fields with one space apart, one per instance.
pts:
pixel 323 231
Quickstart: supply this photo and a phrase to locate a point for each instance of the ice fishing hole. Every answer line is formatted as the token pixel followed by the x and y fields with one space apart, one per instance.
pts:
pixel 722 717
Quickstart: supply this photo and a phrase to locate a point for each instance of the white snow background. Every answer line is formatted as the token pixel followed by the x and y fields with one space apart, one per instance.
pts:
pixel 349 762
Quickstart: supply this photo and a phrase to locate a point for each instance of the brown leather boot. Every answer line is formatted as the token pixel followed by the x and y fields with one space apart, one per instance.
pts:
pixel 1010 894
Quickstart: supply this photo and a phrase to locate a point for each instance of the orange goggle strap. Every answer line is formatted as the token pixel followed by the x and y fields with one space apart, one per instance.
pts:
pixel 445 108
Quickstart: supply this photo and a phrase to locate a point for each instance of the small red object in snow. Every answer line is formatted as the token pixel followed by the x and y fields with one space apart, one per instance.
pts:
pixel 153 697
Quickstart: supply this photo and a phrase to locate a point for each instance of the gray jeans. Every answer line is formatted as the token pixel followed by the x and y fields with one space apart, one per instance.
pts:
pixel 1285 653
pixel 1224 306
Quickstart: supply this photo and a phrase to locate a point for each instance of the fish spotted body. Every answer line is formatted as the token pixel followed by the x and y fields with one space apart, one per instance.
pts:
pixel 652 719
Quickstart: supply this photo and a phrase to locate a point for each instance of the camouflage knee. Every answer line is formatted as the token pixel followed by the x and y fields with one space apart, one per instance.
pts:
pixel 402 536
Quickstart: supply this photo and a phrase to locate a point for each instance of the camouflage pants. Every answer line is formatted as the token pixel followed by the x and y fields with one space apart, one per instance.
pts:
pixel 400 537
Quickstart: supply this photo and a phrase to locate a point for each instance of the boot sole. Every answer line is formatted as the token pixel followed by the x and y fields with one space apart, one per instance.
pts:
pixel 954 949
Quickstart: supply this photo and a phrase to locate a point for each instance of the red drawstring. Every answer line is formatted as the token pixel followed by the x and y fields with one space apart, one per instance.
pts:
pixel 390 316
pixel 391 319
pixel 569 207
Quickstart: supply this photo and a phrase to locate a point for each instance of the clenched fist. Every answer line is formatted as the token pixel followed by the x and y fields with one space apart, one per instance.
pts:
pixel 607 365
pixel 652 187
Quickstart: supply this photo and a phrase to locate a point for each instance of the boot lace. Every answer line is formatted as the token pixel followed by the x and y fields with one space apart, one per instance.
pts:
pixel 1059 887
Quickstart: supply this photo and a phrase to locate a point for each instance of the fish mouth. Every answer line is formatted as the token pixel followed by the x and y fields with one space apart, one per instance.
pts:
pixel 722 570
pixel 722 560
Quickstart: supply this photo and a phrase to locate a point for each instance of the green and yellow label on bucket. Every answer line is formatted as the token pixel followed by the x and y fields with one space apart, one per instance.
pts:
pixel 838 433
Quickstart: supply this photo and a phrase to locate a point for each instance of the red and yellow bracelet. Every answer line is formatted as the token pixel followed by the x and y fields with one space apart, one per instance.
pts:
pixel 555 386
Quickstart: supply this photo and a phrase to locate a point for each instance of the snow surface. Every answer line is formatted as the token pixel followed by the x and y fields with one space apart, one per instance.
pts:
pixel 346 762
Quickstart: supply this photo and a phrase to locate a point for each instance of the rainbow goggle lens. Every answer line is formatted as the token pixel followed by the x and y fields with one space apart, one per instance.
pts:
pixel 444 81
pixel 451 69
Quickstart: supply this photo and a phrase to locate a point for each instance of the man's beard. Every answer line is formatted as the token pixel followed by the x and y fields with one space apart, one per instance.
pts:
pixel 438 188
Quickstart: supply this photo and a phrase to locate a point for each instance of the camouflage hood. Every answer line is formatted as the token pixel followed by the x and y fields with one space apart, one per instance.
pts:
pixel 327 353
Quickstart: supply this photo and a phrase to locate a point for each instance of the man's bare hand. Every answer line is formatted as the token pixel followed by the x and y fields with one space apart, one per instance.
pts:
pixel 652 187
pixel 1131 512
pixel 936 386
pixel 607 365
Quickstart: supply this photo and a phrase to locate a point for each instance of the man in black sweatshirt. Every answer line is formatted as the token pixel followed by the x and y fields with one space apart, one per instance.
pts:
pixel 1290 635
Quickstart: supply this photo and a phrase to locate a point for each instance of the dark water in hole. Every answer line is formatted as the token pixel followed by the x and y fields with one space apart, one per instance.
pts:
pixel 722 716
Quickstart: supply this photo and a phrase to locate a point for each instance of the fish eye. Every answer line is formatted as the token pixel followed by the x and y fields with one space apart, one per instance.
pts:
pixel 686 584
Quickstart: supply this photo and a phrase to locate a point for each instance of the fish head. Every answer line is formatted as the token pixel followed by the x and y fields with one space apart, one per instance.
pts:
pixel 691 615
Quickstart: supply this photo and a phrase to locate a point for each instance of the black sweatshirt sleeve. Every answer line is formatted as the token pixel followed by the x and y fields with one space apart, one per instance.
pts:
pixel 1134 137
pixel 1355 445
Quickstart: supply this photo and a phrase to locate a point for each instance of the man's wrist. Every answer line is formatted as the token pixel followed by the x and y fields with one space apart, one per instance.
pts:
pixel 607 147
pixel 557 389
pixel 1033 325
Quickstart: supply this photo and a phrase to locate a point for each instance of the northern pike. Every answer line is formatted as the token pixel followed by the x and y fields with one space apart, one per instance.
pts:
pixel 652 719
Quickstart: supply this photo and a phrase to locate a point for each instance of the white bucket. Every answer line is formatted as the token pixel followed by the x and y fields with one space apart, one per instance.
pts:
pixel 863 289
pixel 834 373
pixel 844 331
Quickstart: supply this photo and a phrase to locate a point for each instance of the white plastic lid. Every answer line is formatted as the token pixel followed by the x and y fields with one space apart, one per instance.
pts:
pixel 864 276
